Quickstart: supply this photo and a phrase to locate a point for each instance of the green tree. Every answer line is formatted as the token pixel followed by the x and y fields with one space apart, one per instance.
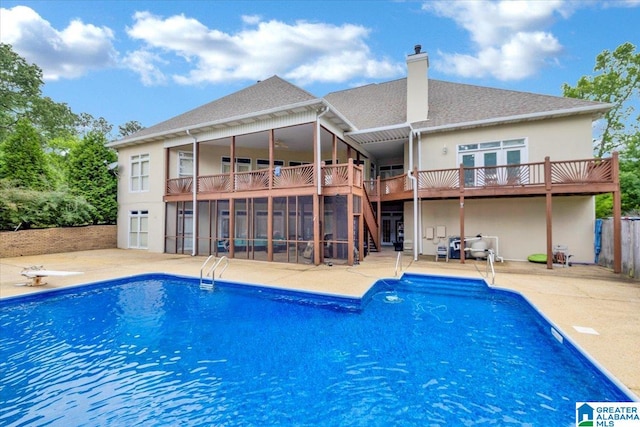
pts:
pixel 87 124
pixel 25 208
pixel 52 119
pixel 89 176
pixel 21 97
pixel 617 82
pixel 19 85
pixel 129 128
pixel 22 159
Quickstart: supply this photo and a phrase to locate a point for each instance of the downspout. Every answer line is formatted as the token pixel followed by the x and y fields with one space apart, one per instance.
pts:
pixel 415 196
pixel 421 250
pixel 319 151
pixel 194 190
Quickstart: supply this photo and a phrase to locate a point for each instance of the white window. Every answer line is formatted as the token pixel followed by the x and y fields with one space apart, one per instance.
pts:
pixel 242 164
pixel 140 173
pixel 138 229
pixel 490 156
pixel 185 164
pixel 391 170
pixel 296 163
pixel 264 163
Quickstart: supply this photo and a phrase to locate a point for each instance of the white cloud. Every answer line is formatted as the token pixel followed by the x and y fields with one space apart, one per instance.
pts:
pixel 304 52
pixel 68 53
pixel 508 36
pixel 144 64
pixel 623 3
pixel 251 19
pixel 517 59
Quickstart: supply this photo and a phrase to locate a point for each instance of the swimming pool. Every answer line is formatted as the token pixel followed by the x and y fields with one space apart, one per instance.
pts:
pixel 158 350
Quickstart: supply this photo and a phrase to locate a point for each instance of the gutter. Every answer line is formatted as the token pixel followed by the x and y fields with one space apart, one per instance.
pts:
pixel 194 189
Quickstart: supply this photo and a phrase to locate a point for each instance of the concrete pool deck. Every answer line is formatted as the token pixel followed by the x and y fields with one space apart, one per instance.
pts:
pixel 578 296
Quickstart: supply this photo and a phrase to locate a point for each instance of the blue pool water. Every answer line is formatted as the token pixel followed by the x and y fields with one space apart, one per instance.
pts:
pixel 157 350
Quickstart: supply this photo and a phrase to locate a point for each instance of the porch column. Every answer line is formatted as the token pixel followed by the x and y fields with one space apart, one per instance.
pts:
pixel 461 179
pixel 317 245
pixel 269 228
pixel 271 167
pixel 232 228
pixel 350 228
pixel 617 219
pixel 361 231
pixel 549 211
pixel 379 213
pixel 232 171
pixel 167 154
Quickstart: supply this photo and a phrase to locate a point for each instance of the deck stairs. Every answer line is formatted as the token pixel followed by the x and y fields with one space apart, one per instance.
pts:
pixel 371 222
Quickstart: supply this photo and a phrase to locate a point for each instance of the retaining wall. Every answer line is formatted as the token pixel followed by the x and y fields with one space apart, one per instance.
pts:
pixel 56 240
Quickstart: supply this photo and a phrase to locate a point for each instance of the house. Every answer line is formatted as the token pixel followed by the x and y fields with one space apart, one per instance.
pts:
pixel 274 173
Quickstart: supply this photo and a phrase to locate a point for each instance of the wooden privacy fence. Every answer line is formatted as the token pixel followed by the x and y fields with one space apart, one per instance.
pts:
pixel 630 231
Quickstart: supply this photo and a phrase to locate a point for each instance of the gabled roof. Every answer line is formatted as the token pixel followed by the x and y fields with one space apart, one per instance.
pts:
pixel 374 105
pixel 450 105
pixel 375 112
pixel 456 105
pixel 270 94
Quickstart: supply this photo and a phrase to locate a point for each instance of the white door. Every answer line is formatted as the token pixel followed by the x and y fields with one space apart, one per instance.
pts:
pixel 185 228
pixel 479 177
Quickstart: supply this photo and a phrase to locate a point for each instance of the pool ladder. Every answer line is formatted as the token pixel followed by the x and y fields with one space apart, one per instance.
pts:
pixel 212 270
pixel 490 260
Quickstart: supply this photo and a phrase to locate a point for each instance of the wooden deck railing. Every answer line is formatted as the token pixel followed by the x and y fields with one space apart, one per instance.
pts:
pixel 527 175
pixel 293 176
pixel 283 177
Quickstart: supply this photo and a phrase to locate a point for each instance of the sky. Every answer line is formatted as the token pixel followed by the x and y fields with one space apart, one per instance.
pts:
pixel 151 60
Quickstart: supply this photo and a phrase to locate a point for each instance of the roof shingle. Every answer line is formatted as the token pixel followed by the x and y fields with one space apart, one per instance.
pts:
pixel 265 95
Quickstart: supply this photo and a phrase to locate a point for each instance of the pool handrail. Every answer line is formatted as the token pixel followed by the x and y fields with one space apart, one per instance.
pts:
pixel 212 270
pixel 490 260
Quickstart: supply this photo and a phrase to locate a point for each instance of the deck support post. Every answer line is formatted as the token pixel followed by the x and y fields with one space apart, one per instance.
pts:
pixel 549 211
pixel 461 180
pixel 617 218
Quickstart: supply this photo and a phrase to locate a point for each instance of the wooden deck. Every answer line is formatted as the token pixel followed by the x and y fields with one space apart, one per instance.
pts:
pixel 585 177
pixel 541 179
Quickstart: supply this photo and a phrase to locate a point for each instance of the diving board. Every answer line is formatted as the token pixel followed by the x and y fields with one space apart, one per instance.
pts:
pixel 36 274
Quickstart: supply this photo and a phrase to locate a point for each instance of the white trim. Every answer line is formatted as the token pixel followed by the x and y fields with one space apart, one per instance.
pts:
pixel 517 118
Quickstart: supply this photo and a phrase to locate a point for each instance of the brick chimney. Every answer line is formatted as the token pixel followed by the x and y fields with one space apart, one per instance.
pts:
pixel 417 85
